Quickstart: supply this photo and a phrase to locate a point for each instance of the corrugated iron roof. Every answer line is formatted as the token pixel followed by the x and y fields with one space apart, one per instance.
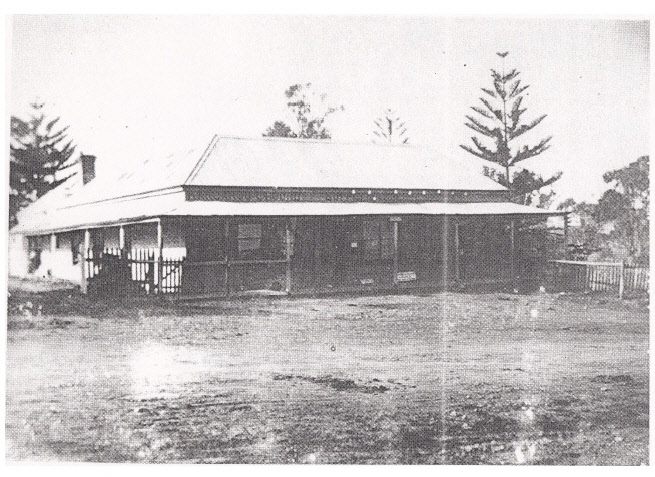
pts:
pixel 276 162
pixel 145 176
pixel 154 187
pixel 174 204
pixel 280 162
pixel 100 213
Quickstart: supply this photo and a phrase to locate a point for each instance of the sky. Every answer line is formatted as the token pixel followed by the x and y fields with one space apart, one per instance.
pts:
pixel 138 87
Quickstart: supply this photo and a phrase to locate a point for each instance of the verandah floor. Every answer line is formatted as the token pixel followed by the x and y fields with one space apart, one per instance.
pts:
pixel 462 285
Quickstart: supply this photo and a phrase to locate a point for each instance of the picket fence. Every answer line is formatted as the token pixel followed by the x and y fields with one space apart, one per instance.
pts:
pixel 579 276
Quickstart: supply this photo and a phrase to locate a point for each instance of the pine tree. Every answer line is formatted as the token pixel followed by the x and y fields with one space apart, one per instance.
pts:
pixel 40 155
pixel 390 128
pixel 502 106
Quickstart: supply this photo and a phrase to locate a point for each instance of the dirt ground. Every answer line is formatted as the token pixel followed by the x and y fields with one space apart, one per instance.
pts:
pixel 444 378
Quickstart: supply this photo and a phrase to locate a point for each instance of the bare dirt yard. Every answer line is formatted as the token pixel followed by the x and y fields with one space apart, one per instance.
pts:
pixel 444 378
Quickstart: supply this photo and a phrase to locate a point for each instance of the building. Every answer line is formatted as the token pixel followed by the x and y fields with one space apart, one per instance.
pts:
pixel 276 215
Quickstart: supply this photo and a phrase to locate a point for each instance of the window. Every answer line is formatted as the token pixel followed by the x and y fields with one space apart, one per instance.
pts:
pixel 261 240
pixel 249 238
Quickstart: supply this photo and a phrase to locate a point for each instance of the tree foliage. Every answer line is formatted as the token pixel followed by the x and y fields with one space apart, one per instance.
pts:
pixel 633 182
pixel 390 129
pixel 585 239
pixel 40 154
pixel 626 205
pixel 622 211
pixel 309 111
pixel 526 186
pixel 499 124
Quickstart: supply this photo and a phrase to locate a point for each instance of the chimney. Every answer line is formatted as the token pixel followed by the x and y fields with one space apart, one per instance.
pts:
pixel 88 168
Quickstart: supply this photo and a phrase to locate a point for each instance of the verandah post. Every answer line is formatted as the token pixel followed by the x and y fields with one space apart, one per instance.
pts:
pixel 621 279
pixel 227 255
pixel 160 257
pixel 457 253
pixel 395 221
pixel 566 235
pixel 512 251
pixel 53 249
pixel 83 262
pixel 121 241
pixel 288 255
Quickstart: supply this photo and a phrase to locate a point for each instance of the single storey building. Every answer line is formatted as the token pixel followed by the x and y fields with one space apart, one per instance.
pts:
pixel 276 215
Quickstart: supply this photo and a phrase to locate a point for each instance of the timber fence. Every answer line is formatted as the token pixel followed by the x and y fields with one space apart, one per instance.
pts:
pixel 580 276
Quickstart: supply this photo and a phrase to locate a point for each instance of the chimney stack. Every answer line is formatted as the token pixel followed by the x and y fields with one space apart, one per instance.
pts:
pixel 88 168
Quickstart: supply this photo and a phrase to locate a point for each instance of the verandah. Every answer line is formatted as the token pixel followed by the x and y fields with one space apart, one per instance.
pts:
pixel 205 256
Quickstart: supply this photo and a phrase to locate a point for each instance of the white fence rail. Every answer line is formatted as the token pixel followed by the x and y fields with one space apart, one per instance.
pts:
pixel 569 275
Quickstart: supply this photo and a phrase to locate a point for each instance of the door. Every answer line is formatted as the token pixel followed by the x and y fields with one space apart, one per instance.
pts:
pixel 346 250
pixel 205 247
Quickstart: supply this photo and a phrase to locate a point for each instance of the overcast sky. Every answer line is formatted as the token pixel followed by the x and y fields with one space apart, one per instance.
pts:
pixel 133 87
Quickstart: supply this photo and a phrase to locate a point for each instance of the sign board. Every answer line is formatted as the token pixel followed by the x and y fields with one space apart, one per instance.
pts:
pixel 366 281
pixel 406 276
pixel 353 244
pixel 395 219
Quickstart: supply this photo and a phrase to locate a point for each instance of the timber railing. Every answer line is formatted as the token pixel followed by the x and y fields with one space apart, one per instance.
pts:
pixel 580 276
pixel 223 277
pixel 115 271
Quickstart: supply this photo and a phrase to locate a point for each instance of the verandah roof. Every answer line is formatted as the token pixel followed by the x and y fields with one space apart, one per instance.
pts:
pixel 174 204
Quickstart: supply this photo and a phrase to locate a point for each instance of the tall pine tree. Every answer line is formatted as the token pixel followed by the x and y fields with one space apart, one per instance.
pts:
pixel 40 154
pixel 500 119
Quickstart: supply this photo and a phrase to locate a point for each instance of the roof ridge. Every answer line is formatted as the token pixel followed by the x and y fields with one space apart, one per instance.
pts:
pixel 135 195
pixel 324 141
pixel 196 168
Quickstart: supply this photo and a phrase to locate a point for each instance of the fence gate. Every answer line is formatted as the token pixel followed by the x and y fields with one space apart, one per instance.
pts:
pixel 116 272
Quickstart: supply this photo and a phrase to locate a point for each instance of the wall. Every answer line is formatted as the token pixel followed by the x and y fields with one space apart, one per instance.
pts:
pixel 485 245
pixel 18 255
pixel 330 252
pixel 105 238
pixel 59 263
pixel 204 272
